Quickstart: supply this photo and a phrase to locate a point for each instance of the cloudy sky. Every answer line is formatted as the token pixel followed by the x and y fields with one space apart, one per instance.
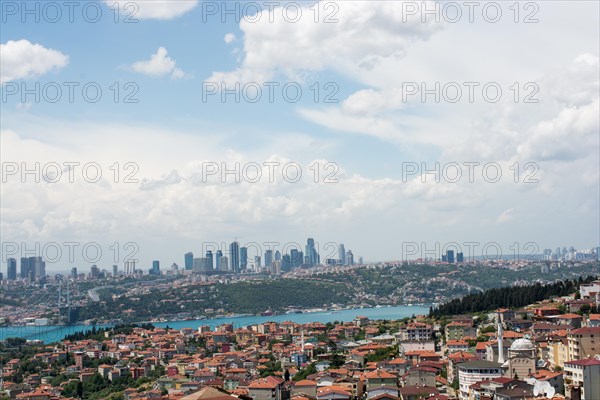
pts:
pixel 162 97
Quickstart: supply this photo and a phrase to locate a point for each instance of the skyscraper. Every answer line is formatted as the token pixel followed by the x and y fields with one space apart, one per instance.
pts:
pixel 460 257
pixel 257 264
pixel 311 255
pixel 11 269
pixel 296 258
pixel 40 267
pixel 342 254
pixel 74 272
pixel 155 267
pixel 189 261
pixel 277 255
pixel 129 267
pixel 115 270
pixel 276 267
pixel 209 260
pixel 450 256
pixel 243 258
pixel 234 256
pixel 218 257
pixel 268 258
pixel 24 267
pixel 224 263
pixel 349 258
pixel 286 263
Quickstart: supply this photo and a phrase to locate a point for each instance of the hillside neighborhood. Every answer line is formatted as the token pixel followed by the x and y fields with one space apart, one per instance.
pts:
pixel 547 350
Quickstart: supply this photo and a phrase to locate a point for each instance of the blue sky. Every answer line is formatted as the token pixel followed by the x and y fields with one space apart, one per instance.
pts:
pixel 370 54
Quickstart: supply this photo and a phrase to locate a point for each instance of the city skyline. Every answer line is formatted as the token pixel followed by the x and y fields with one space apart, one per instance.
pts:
pixel 293 257
pixel 182 162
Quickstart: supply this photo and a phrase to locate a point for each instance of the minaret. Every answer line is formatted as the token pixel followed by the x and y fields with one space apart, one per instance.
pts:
pixel 500 342
pixel 302 341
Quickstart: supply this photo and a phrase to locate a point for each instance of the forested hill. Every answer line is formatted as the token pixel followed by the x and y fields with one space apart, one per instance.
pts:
pixel 508 297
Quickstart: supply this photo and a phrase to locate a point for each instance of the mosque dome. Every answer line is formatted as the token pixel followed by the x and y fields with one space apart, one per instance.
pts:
pixel 522 344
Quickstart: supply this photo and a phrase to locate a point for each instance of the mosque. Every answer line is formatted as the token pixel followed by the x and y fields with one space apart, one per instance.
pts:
pixel 521 359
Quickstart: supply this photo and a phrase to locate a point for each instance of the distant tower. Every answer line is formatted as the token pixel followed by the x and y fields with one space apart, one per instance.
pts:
pixel 500 341
pixel 189 261
pixel 349 258
pixel 268 258
pixel 209 260
pixel 218 260
pixel 342 254
pixel 234 256
pixel 243 258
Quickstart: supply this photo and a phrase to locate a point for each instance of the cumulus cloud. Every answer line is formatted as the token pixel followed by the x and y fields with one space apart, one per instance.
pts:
pixel 360 35
pixel 22 59
pixel 160 64
pixel 153 9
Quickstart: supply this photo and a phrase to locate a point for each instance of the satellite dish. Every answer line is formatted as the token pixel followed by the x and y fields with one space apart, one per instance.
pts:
pixel 543 388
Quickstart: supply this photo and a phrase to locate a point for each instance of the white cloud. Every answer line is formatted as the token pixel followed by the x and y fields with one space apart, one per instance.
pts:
pixel 22 59
pixel 365 33
pixel 160 64
pixel 153 9
pixel 229 37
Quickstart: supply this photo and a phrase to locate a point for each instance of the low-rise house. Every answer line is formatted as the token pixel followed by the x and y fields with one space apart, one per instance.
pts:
pixel 306 387
pixel 457 345
pixel 416 392
pixel 268 388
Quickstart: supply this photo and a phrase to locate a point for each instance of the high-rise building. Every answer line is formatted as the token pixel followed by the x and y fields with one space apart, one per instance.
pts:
pixel 243 258
pixel 286 263
pixel 218 257
pixel 276 267
pixel 24 267
pixel 129 267
pixel 312 256
pixel 460 257
pixel 349 258
pixel 11 269
pixel 224 263
pixel 297 258
pixel 40 267
pixel 189 261
pixel 450 256
pixel 95 271
pixel 209 260
pixel 277 255
pixel 202 264
pixel 115 270
pixel 234 256
pixel 268 258
pixel 360 260
pixel 257 264
pixel 33 268
pixel 342 254
pixel 74 273
pixel 155 267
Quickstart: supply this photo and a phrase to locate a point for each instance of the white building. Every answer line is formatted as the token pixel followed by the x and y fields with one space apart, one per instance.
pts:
pixel 582 378
pixel 475 371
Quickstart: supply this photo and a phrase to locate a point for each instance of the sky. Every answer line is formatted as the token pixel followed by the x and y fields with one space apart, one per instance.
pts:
pixel 154 128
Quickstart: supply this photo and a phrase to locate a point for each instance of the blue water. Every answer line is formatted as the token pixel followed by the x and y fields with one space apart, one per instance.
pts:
pixel 50 334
